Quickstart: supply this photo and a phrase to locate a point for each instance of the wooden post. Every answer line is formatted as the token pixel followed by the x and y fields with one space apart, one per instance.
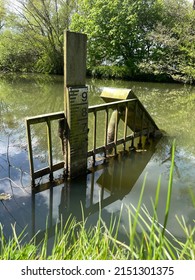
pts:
pixel 75 104
pixel 30 152
pixel 50 156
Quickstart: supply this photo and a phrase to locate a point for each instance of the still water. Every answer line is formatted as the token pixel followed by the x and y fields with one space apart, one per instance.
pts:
pixel 116 183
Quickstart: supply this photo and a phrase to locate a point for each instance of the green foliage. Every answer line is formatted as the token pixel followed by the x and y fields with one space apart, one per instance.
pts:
pixel 2 13
pixel 116 29
pixel 36 29
pixel 148 39
pixel 173 40
pixel 154 39
pixel 110 72
pixel 16 55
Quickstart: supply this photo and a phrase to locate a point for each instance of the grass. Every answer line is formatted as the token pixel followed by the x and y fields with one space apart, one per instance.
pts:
pixel 74 241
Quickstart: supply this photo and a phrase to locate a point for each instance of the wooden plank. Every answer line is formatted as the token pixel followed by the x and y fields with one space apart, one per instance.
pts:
pixel 111 105
pixel 106 129
pixel 49 142
pixel 45 117
pixel 110 94
pixel 116 130
pixel 75 53
pixel 125 125
pixel 75 103
pixel 30 152
pixel 94 132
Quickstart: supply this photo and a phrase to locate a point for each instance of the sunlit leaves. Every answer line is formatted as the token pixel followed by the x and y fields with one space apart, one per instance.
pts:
pixel 149 37
pixel 38 26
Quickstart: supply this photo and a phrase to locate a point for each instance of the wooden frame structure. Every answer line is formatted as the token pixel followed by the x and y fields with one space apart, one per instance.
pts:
pixel 46 118
pixel 142 124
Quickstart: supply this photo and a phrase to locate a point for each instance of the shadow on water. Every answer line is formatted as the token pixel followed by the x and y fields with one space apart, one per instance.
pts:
pixel 45 206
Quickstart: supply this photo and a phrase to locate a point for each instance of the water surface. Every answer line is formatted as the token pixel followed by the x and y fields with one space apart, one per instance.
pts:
pixel 116 183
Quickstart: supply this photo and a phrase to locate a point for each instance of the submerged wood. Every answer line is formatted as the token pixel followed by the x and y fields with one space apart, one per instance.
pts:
pixel 112 127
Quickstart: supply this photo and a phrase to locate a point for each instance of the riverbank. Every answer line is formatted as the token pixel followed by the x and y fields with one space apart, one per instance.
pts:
pixel 118 73
pixel 124 73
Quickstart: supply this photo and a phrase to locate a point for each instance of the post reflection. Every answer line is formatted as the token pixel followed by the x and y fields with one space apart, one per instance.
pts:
pixel 104 185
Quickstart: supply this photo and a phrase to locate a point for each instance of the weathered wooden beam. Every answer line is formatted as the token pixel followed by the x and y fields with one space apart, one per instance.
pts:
pixel 94 132
pixel 110 105
pixel 30 152
pixel 106 129
pixel 49 143
pixel 125 125
pixel 75 54
pixel 75 103
pixel 45 117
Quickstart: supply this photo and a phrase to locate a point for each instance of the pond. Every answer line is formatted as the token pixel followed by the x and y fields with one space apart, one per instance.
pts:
pixel 116 183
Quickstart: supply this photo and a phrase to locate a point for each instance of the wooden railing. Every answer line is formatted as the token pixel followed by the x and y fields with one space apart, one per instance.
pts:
pixel 134 115
pixel 46 118
pixel 104 108
pixel 131 111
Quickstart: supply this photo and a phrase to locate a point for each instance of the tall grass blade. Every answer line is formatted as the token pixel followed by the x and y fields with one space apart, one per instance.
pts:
pixel 169 191
pixel 135 221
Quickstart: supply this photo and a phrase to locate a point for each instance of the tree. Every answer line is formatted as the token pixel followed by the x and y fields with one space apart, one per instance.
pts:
pixel 152 37
pixel 173 52
pixel 2 13
pixel 117 29
pixel 39 25
pixel 145 38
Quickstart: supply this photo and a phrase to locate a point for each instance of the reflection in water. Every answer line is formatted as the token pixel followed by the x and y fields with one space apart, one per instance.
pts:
pixel 118 182
pixel 49 204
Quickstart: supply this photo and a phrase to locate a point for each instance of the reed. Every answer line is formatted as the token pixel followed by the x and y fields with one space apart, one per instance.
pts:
pixel 75 241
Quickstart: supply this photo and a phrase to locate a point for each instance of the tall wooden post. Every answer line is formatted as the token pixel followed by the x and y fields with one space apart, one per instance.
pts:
pixel 75 104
